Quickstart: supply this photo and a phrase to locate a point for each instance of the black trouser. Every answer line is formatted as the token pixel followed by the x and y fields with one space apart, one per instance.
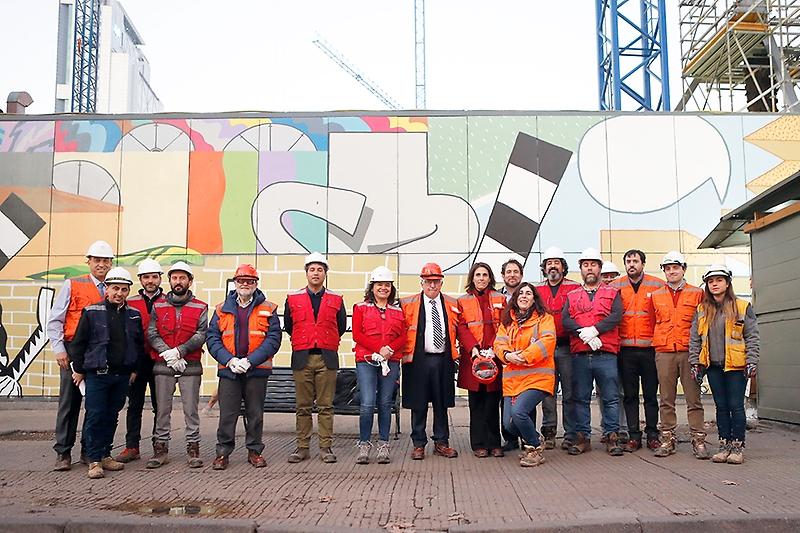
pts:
pixel 435 366
pixel 69 410
pixel 484 418
pixel 133 418
pixel 640 364
pixel 231 392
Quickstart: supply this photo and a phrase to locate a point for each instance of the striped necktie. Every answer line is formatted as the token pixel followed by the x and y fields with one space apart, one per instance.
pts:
pixel 438 334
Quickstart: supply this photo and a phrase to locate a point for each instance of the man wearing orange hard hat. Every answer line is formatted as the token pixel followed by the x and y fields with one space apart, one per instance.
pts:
pixel 431 320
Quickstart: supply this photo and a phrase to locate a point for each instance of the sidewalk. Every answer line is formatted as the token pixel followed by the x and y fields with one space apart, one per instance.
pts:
pixel 636 492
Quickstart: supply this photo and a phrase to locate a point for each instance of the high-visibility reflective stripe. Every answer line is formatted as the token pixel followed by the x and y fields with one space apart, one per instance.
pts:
pixel 637 342
pixel 502 338
pixel 477 322
pixel 539 344
pixel 635 313
pixel 527 372
pixel 550 331
pixel 649 283
pixel 227 332
pixel 258 332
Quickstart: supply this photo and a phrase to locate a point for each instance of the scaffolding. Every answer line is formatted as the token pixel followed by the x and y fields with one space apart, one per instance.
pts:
pixel 740 55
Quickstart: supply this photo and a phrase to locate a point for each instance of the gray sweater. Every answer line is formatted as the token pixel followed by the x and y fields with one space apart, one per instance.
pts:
pixel 716 339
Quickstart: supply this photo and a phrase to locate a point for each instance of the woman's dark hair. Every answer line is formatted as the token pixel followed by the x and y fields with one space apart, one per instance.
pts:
pixel 470 286
pixel 728 306
pixel 370 298
pixel 538 303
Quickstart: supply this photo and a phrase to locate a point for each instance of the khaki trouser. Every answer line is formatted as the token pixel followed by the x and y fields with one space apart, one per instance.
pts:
pixel 315 382
pixel 190 399
pixel 670 367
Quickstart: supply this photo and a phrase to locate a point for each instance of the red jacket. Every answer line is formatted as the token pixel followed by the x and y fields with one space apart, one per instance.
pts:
pixel 588 312
pixel 308 333
pixel 554 304
pixel 372 330
pixel 480 319
pixel 177 328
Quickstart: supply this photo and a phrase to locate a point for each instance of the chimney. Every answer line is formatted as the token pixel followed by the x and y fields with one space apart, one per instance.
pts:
pixel 17 102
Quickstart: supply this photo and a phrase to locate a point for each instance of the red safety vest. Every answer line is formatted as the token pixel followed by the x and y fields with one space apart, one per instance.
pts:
pixel 382 328
pixel 257 326
pixel 308 333
pixel 82 292
pixel 588 312
pixel 554 304
pixel 138 302
pixel 176 328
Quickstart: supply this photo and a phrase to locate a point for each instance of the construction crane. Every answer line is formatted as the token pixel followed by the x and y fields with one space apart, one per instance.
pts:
pixel 84 56
pixel 633 70
pixel 337 58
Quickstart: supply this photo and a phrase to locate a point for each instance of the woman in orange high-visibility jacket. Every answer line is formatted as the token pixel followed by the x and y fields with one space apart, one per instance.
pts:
pixel 526 343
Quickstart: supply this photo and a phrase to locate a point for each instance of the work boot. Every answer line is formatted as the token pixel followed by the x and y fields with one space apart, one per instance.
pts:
pixel 667 447
pixel 531 456
pixel 220 462
pixel 96 470
pixel 127 455
pixel 736 457
pixel 549 437
pixel 160 453
pixel 631 445
pixel 256 459
pixel 653 443
pixel 110 464
pixel 383 453
pixel 567 443
pixel 722 453
pixel 613 446
pixel 327 455
pixel 299 454
pixel 699 446
pixel 443 448
pixel 363 452
pixel 582 444
pixel 63 462
pixel 193 455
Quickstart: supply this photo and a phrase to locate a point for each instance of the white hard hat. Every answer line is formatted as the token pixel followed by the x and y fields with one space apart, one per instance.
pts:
pixel 590 254
pixel 673 258
pixel 553 252
pixel 381 273
pixel 609 268
pixel 183 266
pixel 100 249
pixel 149 266
pixel 316 257
pixel 717 270
pixel 118 275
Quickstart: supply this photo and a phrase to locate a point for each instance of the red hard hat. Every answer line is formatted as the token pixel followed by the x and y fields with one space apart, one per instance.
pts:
pixel 246 271
pixel 484 369
pixel 431 270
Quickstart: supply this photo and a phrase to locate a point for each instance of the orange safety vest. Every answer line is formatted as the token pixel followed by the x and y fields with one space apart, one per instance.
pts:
pixel 735 348
pixel 410 306
pixel 638 318
pixel 673 322
pixel 536 337
pixel 82 293
pixel 472 315
pixel 258 326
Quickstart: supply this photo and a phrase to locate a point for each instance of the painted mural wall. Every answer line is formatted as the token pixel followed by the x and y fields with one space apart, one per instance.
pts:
pixel 367 190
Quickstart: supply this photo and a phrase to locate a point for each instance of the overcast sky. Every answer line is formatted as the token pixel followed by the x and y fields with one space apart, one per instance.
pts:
pixel 227 55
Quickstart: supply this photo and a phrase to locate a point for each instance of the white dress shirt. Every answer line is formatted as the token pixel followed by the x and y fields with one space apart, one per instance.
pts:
pixel 430 347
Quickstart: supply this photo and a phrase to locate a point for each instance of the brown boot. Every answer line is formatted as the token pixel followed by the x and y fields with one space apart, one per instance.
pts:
pixel 613 446
pixel 667 447
pixel 699 446
pixel 549 437
pixel 581 445
pixel 736 457
pixel 63 462
pixel 96 470
pixel 723 452
pixel 531 456
pixel 160 452
pixel 110 464
pixel 193 455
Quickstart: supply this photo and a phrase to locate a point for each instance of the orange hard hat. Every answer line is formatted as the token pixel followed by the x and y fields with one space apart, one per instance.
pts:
pixel 431 270
pixel 246 271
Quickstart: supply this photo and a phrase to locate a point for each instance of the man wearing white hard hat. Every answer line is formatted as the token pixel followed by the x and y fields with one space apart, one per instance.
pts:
pixel 177 332
pixel 609 272
pixel 149 273
pixel 316 319
pixel 675 305
pixel 591 316
pixel 107 353
pixel 75 294
pixel 554 290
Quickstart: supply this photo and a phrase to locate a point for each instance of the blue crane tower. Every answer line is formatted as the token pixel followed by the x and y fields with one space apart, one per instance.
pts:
pixel 84 56
pixel 632 55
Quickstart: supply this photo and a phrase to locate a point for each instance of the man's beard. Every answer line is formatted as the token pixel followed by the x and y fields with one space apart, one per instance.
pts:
pixel 554 275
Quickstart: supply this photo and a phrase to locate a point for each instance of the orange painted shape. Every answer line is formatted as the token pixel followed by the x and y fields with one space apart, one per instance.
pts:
pixel 206 191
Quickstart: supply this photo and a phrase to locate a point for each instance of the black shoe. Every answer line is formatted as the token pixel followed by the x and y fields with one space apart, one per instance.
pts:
pixel 511 445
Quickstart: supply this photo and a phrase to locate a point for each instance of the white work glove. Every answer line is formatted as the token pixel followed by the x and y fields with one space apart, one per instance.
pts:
pixel 595 343
pixel 233 364
pixel 170 356
pixel 587 333
pixel 378 358
pixel 243 365
pixel 179 366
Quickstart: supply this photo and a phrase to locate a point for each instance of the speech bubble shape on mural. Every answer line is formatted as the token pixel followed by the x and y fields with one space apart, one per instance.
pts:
pixel 640 164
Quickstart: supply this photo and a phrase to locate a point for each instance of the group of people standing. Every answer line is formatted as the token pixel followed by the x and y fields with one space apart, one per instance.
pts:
pixel 512 348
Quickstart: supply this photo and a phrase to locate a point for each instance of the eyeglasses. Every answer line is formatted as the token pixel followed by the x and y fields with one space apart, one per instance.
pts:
pixel 245 281
pixel 431 282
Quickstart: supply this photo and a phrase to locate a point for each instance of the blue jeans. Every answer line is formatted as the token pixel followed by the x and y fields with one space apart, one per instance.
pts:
pixel 376 388
pixel 519 414
pixel 105 397
pixel 728 391
pixel 602 369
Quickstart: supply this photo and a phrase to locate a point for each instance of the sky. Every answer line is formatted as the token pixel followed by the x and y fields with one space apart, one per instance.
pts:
pixel 237 55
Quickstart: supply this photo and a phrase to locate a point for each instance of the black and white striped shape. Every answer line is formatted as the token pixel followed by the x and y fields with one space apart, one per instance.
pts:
pixel 438 333
pixel 18 225
pixel 534 170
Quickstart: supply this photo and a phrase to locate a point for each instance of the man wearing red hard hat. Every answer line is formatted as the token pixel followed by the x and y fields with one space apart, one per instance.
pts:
pixel 431 320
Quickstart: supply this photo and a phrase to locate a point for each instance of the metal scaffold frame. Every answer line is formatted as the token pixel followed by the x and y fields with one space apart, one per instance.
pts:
pixel 740 55
pixel 84 65
pixel 632 59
